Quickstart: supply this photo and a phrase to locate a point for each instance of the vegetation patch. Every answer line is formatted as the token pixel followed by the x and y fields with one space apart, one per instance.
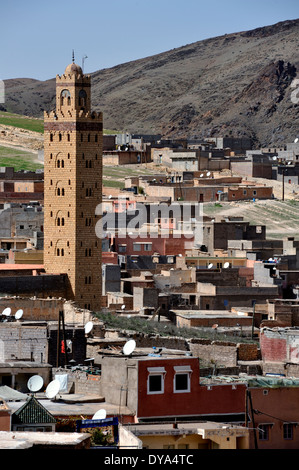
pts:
pixel 18 159
pixel 149 327
pixel 22 122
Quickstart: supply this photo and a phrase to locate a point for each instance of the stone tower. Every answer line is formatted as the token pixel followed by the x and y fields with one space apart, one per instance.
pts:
pixel 73 144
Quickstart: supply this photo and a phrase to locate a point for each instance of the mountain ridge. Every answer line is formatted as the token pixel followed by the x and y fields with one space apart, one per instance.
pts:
pixel 236 84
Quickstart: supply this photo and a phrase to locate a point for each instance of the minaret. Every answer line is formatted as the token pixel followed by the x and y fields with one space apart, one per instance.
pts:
pixel 73 144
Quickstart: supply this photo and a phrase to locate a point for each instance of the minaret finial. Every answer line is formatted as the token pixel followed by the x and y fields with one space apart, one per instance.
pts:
pixel 73 56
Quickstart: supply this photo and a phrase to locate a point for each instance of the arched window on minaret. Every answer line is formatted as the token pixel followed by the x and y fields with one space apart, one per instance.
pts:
pixel 65 98
pixel 82 98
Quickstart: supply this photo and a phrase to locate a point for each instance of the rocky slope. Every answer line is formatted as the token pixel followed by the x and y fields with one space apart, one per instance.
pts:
pixel 237 84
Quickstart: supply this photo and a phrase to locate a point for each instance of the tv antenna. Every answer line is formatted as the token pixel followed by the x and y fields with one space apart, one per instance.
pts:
pixel 35 383
pixel 6 312
pixel 100 414
pixel 52 389
pixel 129 347
pixel 88 327
pixel 19 314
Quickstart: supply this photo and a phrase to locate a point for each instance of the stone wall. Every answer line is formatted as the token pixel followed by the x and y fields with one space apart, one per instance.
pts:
pixel 21 342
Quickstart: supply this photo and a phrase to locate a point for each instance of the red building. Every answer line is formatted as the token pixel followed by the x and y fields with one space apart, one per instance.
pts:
pixel 169 388
pixel 147 244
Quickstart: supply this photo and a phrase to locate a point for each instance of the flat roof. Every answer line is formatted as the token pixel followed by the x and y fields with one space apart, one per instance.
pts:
pixel 200 427
pixel 11 267
pixel 25 440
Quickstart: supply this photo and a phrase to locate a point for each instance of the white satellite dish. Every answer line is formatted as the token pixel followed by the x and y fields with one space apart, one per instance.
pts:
pixel 289 163
pixel 208 174
pixel 270 259
pixel 210 266
pixel 35 383
pixel 52 389
pixel 296 140
pixel 274 158
pixel 123 307
pixel 100 414
pixel 88 327
pixel 129 347
pixel 6 312
pixel 226 265
pixel 19 314
pixel 201 175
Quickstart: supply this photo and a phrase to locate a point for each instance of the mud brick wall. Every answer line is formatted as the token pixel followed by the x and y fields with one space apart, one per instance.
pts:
pixel 80 382
pixel 248 352
pixel 223 354
pixel 27 343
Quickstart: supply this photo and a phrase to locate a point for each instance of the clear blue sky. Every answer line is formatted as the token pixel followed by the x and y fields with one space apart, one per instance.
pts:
pixel 37 36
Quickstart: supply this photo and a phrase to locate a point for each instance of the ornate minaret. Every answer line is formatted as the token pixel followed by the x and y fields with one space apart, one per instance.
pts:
pixel 73 137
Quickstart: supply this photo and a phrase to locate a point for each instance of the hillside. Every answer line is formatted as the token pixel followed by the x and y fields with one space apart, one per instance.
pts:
pixel 237 84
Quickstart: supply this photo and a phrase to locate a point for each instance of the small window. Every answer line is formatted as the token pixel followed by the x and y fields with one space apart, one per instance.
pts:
pixel 155 380
pixel 288 431
pixel 136 247
pixel 181 381
pixel 263 432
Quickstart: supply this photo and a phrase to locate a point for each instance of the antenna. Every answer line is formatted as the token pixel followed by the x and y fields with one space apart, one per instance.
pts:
pixel 129 347
pixel 52 389
pixel 83 60
pixel 6 311
pixel 73 56
pixel 35 383
pixel 88 327
pixel 100 414
pixel 19 314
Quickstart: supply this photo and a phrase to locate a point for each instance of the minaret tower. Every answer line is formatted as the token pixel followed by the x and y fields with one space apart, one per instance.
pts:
pixel 73 144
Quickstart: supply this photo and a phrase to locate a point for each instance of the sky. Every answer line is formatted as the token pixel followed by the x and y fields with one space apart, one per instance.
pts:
pixel 37 36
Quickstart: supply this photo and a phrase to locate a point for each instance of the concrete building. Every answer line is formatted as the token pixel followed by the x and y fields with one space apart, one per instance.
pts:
pixel 73 188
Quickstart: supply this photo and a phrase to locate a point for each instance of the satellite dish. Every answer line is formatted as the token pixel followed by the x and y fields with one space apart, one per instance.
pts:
pixel 129 347
pixel 6 312
pixel 210 266
pixel 52 389
pixel 35 383
pixel 289 163
pixel 123 307
pixel 270 259
pixel 274 158
pixel 19 314
pixel 88 327
pixel 208 174
pixel 201 175
pixel 100 414
pixel 226 265
pixel 296 140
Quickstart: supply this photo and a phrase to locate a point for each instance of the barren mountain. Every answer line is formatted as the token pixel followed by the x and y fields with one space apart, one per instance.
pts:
pixel 238 84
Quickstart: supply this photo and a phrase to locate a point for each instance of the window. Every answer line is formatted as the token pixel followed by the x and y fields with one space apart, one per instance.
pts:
pixel 136 247
pixel 155 380
pixel 147 247
pixel 288 431
pixel 263 432
pixel 181 381
pixel 245 192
